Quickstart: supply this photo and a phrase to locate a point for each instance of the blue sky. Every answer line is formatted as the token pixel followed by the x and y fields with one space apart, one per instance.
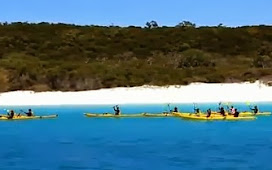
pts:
pixel 138 12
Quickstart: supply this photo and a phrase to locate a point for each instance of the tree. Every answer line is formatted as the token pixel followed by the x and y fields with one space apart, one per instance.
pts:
pixel 186 24
pixel 220 25
pixel 152 24
pixel 262 61
pixel 195 58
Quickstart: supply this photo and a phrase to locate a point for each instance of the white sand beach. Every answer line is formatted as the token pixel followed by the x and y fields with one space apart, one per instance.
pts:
pixel 197 92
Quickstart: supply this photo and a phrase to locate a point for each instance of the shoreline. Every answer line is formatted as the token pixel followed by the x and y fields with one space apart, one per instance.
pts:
pixel 193 93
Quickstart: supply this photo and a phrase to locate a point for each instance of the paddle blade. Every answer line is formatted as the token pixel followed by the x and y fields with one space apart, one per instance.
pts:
pixel 227 103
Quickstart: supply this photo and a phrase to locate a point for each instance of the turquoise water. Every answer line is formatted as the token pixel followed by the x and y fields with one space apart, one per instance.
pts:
pixel 75 142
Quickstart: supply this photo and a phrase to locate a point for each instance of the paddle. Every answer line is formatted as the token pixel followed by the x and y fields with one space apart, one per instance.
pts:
pixel 114 107
pixel 7 111
pixel 255 109
pixel 227 104
pixel 21 111
pixel 169 108
pixel 249 105
pixel 195 108
pixel 165 108
pixel 222 105
pixel 219 105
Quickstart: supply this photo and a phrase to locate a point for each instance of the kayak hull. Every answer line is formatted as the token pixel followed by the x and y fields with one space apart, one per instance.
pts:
pixel 212 117
pixel 143 115
pixel 252 114
pixel 248 114
pixel 5 117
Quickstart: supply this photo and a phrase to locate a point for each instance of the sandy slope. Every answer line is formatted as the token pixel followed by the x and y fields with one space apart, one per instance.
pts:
pixel 197 92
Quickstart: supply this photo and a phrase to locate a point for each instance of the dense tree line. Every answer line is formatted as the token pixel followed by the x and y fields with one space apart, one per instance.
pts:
pixel 48 56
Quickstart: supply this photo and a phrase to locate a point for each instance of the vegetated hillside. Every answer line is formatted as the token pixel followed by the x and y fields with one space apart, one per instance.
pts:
pixel 46 56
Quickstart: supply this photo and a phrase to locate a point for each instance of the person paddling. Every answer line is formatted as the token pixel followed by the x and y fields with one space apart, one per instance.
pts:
pixel 255 110
pixel 11 114
pixel 29 113
pixel 232 110
pixel 116 110
pixel 197 111
pixel 175 109
pixel 236 113
pixel 222 111
pixel 209 112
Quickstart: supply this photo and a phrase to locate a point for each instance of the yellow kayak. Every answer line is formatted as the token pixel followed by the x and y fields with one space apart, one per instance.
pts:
pixel 252 114
pixel 157 114
pixel 142 115
pixel 212 117
pixel 23 117
pixel 248 114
